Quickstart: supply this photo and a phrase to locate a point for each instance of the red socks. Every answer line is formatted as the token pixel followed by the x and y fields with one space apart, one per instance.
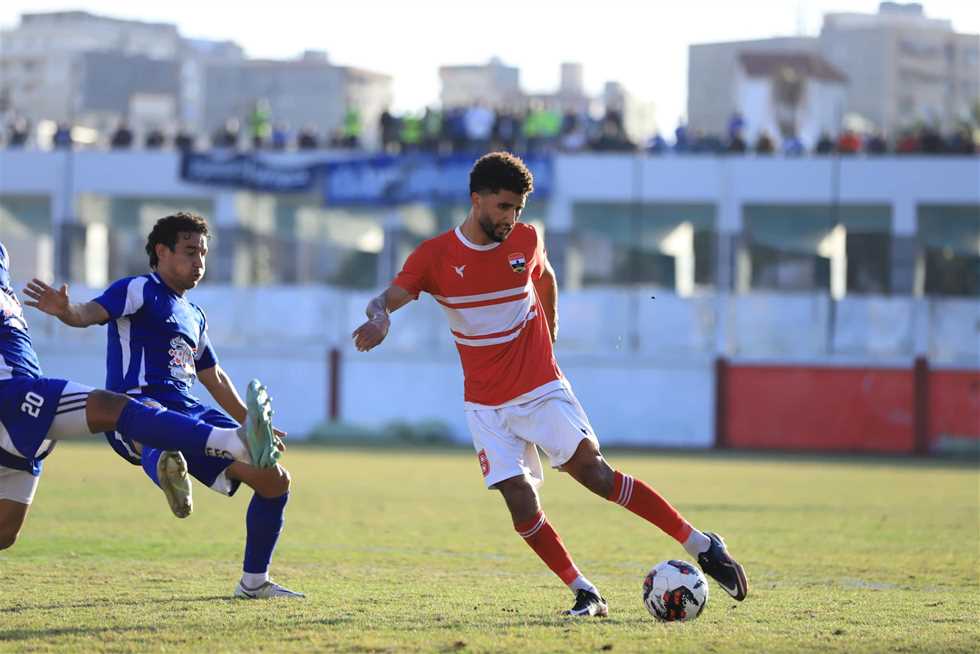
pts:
pixel 647 503
pixel 545 542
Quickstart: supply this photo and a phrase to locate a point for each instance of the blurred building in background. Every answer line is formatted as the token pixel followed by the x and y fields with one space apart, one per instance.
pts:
pixel 301 92
pixel 902 69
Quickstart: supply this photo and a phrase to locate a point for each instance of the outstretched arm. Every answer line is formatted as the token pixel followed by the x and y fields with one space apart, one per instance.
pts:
pixel 56 303
pixel 371 333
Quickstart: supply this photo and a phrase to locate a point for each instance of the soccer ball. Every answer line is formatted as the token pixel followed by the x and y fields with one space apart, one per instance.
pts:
pixel 675 590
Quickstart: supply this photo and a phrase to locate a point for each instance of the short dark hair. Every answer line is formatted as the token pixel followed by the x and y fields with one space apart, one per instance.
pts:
pixel 167 228
pixel 499 171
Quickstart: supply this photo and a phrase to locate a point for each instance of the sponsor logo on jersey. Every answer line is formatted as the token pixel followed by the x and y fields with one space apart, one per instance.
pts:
pixel 484 462
pixel 517 262
pixel 459 269
pixel 181 360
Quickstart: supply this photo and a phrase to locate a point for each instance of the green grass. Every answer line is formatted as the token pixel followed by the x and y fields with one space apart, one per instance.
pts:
pixel 402 550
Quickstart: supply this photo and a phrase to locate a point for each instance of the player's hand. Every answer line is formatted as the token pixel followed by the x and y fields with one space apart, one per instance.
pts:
pixel 279 435
pixel 47 299
pixel 371 333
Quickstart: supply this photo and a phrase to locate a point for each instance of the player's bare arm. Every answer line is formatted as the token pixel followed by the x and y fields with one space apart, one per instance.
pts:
pixel 371 333
pixel 546 287
pixel 222 389
pixel 58 304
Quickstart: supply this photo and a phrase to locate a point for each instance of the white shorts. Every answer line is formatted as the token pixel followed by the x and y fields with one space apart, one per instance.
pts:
pixel 507 439
pixel 17 485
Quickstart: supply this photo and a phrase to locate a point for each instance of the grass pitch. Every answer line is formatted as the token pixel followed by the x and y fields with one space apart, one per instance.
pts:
pixel 403 550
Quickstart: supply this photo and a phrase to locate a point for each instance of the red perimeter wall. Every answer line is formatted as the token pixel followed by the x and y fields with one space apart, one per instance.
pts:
pixel 954 404
pixel 844 409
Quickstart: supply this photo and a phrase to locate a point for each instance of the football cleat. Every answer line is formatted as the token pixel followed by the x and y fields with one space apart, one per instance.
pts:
pixel 268 590
pixel 259 437
pixel 174 482
pixel 721 567
pixel 588 604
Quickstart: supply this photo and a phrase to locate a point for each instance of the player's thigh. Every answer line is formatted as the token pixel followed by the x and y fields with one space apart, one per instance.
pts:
pixel 70 420
pixel 501 453
pixel 557 424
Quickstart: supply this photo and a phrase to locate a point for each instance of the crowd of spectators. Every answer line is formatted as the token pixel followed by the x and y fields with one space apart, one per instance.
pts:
pixel 535 130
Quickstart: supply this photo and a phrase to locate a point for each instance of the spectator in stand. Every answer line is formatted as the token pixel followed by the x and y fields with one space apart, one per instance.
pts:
pixel 736 123
pixel 390 127
pixel 62 137
pixel 657 144
pixel 681 142
pixel 506 131
pixel 478 122
pixel 849 142
pixel 18 131
pixel 456 129
pixel 351 131
pixel 184 141
pixel 308 139
pixel 932 141
pixel 154 139
pixel 280 136
pixel 260 127
pixel 962 142
pixel 122 137
pixel 227 135
pixel 825 144
pixel 736 144
pixel 908 142
pixel 573 136
pixel 764 144
pixel 876 144
pixel 411 133
pixel 793 146
pixel 432 131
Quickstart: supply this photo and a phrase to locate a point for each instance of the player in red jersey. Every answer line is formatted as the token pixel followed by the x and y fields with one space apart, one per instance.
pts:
pixel 492 276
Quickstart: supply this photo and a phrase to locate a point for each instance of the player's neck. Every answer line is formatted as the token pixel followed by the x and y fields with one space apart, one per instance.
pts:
pixel 169 283
pixel 473 232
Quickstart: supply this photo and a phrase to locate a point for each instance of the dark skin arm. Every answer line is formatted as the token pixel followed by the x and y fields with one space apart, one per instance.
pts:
pixel 546 288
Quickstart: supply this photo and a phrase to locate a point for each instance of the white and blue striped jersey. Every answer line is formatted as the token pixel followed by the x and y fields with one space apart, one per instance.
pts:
pixel 157 339
pixel 17 356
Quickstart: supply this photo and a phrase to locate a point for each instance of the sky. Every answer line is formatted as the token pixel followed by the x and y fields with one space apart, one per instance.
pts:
pixel 640 43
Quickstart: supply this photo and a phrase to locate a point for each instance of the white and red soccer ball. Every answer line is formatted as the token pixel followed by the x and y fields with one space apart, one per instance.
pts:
pixel 675 591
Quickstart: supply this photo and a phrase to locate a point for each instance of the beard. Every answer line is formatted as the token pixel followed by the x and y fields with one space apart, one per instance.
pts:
pixel 493 233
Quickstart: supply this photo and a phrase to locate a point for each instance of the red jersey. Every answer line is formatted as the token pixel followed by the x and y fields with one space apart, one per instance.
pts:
pixel 494 312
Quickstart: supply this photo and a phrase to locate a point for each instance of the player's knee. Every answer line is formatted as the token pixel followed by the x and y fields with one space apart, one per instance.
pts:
pixel 8 537
pixel 276 483
pixel 104 407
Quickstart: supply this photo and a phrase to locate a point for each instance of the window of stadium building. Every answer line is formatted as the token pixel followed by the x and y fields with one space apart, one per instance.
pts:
pixel 25 225
pixel 949 238
pixel 843 249
pixel 664 245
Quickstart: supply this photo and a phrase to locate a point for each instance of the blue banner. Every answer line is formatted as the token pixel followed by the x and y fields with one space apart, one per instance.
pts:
pixel 247 172
pixel 367 181
pixel 387 180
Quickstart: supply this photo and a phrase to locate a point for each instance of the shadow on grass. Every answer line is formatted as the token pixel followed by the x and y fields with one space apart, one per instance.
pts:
pixel 789 457
pixel 95 603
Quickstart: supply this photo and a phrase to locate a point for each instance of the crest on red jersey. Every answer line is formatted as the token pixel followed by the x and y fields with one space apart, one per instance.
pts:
pixel 517 262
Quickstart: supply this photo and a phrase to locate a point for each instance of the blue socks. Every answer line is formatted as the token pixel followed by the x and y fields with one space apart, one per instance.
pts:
pixel 162 429
pixel 263 524
pixel 148 459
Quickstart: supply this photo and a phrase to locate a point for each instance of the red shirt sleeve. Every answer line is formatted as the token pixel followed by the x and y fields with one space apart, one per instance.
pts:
pixel 414 275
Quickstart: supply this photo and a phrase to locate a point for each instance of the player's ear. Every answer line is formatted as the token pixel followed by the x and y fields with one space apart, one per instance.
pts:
pixel 475 200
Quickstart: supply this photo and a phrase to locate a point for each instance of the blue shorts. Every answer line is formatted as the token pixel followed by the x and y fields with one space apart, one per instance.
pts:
pixel 27 409
pixel 206 469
